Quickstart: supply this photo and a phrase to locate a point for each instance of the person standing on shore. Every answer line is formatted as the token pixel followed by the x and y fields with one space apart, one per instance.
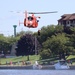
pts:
pixel 71 62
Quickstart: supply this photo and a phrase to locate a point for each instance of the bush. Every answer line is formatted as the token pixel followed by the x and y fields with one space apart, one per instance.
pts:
pixel 45 54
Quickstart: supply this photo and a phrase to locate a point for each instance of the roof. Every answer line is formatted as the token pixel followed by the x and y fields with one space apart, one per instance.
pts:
pixel 72 16
pixel 68 17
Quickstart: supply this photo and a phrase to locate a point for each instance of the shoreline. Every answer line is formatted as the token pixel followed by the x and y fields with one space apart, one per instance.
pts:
pixel 30 67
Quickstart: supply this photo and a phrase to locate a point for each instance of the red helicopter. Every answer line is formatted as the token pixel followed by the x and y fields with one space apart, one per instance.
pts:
pixel 31 21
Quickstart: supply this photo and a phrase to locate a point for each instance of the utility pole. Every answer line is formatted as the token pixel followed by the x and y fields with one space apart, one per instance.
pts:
pixel 14 30
pixel 35 46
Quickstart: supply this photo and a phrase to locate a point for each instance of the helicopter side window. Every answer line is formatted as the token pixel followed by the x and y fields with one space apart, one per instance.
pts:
pixel 30 18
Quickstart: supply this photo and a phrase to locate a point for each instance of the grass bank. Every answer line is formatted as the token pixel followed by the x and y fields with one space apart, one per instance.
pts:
pixel 33 58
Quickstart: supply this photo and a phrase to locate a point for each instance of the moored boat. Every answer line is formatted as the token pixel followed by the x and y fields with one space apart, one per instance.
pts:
pixel 36 65
pixel 61 65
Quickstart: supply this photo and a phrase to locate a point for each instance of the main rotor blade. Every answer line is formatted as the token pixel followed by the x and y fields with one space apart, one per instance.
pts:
pixel 42 12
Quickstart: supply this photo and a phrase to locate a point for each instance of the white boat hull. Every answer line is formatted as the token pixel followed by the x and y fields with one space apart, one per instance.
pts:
pixel 60 66
pixel 37 66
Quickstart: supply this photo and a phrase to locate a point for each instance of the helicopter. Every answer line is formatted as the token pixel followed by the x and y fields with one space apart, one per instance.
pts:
pixel 32 21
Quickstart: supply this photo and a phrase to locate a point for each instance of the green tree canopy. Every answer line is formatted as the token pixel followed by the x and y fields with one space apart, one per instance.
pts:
pixel 57 44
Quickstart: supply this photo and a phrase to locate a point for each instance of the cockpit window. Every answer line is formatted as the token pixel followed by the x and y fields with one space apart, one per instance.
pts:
pixel 30 18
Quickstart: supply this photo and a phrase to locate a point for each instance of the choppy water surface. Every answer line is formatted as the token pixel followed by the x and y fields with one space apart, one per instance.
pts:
pixel 37 72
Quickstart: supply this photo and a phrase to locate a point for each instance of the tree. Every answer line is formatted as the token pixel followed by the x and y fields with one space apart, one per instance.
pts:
pixel 57 45
pixel 21 33
pixel 59 29
pixel 45 54
pixel 49 30
pixel 6 43
pixel 46 32
pixel 26 45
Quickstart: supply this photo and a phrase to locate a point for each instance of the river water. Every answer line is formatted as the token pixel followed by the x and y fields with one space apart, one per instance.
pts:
pixel 37 72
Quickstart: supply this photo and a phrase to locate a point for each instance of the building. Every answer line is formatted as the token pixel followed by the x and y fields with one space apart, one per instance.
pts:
pixel 67 20
pixel 13 51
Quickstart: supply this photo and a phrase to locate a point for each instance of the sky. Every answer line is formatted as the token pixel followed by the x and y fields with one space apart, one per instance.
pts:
pixel 8 19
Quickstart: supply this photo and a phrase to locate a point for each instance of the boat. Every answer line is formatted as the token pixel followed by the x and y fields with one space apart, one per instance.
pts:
pixel 61 65
pixel 36 65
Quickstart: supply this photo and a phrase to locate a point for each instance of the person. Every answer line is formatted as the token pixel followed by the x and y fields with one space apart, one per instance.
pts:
pixel 71 62
pixel 23 63
pixel 36 63
pixel 10 62
pixel 68 61
pixel 0 62
pixel 6 63
pixel 18 62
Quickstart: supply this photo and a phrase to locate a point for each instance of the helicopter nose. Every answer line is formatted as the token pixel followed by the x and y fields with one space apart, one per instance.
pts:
pixel 30 22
